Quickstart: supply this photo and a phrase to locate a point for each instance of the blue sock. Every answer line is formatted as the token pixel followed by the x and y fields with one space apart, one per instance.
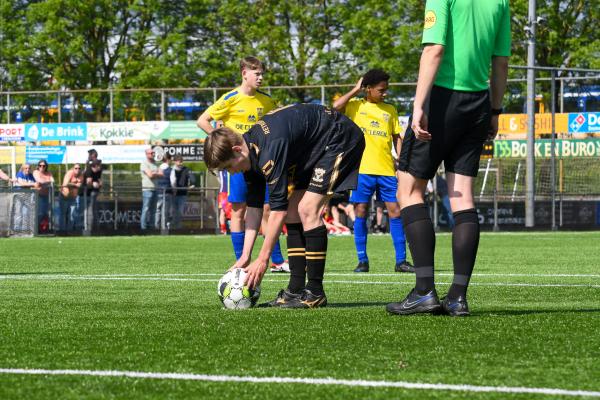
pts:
pixel 276 255
pixel 397 231
pixel 360 238
pixel 237 239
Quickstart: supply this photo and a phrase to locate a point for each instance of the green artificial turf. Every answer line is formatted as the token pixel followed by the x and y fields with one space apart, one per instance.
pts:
pixel 149 304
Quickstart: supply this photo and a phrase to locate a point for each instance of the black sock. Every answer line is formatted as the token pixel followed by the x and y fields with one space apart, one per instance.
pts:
pixel 316 250
pixel 421 241
pixel 465 241
pixel 296 250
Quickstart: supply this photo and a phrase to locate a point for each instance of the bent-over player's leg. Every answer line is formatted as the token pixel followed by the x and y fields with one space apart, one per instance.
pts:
pixel 465 234
pixel 296 244
pixel 315 233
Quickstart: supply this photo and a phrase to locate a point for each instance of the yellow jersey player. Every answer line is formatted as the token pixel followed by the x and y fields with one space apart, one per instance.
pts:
pixel 380 125
pixel 239 110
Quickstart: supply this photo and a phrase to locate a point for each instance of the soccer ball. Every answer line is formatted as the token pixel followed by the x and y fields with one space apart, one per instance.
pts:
pixel 233 293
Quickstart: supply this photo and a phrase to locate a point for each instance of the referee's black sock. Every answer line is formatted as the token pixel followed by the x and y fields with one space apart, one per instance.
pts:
pixel 296 257
pixel 421 241
pixel 465 241
pixel 316 250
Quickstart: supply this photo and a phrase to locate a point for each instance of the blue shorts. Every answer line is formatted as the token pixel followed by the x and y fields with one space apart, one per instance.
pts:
pixel 384 186
pixel 238 189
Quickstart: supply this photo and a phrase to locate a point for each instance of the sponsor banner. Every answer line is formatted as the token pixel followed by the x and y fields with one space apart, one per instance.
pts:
pixel 52 154
pixel 564 148
pixel 182 130
pixel 114 154
pixel 119 131
pixel 512 124
pixel 588 122
pixel 13 132
pixel 72 132
pixel 6 154
pixel 190 152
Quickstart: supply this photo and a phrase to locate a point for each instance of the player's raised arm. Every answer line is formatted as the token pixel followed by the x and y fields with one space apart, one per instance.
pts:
pixel 204 121
pixel 340 104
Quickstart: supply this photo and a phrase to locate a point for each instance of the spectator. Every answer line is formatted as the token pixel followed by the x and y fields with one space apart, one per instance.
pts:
pixel 182 179
pixel 224 205
pixel 91 188
pixel 150 175
pixel 46 184
pixel 69 213
pixel 378 225
pixel 24 199
pixel 5 177
pixel 165 194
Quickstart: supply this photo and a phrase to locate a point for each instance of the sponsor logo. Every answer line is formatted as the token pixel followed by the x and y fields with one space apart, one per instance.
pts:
pixel 374 124
pixel 577 123
pixel 251 118
pixel 33 133
pixel 264 127
pixel 430 19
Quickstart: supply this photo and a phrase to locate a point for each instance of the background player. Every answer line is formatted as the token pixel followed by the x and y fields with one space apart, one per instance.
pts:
pixel 239 109
pixel 379 122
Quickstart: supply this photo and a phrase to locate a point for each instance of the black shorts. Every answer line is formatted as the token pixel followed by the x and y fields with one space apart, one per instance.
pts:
pixel 459 123
pixel 337 167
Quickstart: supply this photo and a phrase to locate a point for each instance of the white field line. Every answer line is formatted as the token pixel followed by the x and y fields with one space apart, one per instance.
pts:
pixel 345 282
pixel 304 381
pixel 326 274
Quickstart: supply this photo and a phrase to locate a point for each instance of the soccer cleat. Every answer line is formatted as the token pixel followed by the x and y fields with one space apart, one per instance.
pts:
pixel 283 267
pixel 415 303
pixel 404 266
pixel 283 297
pixel 455 307
pixel 363 266
pixel 307 300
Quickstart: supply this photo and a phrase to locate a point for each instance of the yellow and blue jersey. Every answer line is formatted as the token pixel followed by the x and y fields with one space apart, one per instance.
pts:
pixel 239 111
pixel 379 122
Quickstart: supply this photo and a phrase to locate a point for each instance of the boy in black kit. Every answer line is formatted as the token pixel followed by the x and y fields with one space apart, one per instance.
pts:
pixel 304 153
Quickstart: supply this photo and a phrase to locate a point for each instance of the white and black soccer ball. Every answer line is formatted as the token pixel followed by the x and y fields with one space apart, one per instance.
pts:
pixel 233 293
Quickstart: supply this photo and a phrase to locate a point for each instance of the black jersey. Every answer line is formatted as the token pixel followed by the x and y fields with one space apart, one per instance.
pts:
pixel 291 145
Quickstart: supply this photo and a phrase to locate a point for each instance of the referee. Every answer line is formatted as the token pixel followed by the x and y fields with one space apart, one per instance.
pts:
pixel 454 112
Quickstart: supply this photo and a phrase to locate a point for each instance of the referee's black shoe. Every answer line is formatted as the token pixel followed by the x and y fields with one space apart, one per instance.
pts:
pixel 404 266
pixel 455 307
pixel 363 266
pixel 414 303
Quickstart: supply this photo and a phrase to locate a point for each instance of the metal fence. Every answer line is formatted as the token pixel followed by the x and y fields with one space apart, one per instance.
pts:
pixel 23 212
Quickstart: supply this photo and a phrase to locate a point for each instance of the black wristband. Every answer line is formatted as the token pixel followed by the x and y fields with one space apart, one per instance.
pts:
pixel 496 111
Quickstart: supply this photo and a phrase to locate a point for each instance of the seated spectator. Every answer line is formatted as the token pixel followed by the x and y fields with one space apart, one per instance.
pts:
pixel 182 179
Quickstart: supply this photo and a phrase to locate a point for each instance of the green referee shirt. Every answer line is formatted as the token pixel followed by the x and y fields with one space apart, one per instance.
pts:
pixel 471 31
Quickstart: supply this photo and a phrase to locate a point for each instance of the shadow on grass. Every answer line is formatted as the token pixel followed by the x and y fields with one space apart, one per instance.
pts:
pixel 355 305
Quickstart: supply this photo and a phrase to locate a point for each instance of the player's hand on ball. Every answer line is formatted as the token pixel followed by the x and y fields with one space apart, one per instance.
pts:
pixel 420 125
pixel 255 272
pixel 242 262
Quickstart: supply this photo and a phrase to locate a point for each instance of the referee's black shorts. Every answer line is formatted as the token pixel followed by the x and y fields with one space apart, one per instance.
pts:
pixel 459 123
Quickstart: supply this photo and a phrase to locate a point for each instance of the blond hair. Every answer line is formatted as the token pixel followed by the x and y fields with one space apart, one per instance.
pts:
pixel 218 147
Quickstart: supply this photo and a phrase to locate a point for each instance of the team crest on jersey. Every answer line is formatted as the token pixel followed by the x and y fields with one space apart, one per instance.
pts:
pixel 374 124
pixel 430 19
pixel 386 117
pixel 318 175
pixel 251 118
